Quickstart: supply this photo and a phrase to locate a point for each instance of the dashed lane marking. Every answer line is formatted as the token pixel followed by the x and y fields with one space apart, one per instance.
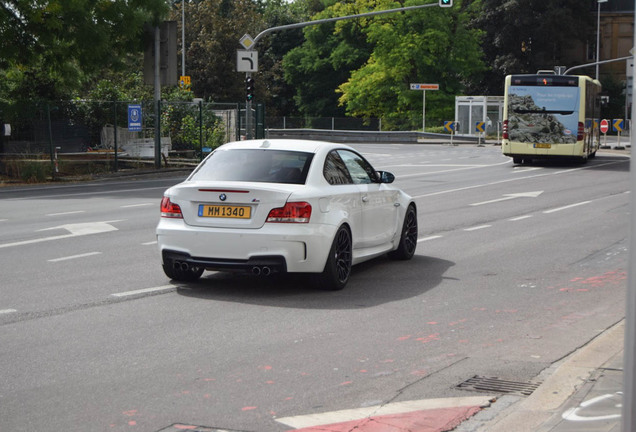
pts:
pixel 66 213
pixel 74 257
pixel 145 291
pixel 475 228
pixel 518 218
pixel 7 311
pixel 137 205
pixel 566 207
pixel 423 239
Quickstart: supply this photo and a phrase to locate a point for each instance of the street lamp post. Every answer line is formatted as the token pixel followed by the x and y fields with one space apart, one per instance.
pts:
pixel 598 32
pixel 183 37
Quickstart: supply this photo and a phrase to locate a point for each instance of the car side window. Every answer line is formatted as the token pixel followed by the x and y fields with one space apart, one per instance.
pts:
pixel 360 170
pixel 335 170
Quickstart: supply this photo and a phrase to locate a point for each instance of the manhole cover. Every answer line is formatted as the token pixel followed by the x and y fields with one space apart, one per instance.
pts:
pixel 494 384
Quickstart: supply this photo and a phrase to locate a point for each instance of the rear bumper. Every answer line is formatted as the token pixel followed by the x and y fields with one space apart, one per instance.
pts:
pixel 281 247
pixel 259 265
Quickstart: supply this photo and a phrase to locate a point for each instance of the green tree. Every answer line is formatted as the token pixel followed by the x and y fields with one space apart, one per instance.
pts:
pixel 427 46
pixel 524 36
pixel 213 30
pixel 48 48
pixel 326 58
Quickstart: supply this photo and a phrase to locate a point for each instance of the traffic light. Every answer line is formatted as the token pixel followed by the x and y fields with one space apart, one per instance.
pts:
pixel 249 88
pixel 445 3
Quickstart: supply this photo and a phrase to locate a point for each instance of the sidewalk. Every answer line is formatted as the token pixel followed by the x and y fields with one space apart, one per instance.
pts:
pixel 581 393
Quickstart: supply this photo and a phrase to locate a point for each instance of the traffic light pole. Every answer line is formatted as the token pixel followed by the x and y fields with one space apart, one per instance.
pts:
pixel 248 111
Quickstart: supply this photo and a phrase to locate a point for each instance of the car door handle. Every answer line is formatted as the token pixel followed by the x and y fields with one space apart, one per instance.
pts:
pixel 365 199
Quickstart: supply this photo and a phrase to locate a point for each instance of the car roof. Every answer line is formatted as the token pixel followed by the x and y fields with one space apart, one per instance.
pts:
pixel 284 144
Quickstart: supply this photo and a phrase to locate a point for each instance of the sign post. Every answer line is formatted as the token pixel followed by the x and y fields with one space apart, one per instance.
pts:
pixel 480 128
pixel 451 126
pixel 604 128
pixel 617 125
pixel 424 87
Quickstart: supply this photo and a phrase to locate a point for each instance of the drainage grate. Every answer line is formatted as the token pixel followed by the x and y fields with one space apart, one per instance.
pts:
pixel 494 384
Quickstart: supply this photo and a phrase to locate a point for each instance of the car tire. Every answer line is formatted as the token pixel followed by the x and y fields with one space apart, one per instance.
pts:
pixel 408 239
pixel 338 267
pixel 189 275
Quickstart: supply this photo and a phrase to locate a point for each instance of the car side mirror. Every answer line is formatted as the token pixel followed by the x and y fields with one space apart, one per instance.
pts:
pixel 386 177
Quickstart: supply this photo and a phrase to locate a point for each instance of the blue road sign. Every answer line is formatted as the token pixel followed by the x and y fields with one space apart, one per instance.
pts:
pixel 134 118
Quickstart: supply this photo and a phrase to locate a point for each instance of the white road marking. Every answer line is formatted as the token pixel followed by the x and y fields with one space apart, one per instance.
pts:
pixel 66 213
pixel 566 207
pixel 507 197
pixel 145 291
pixel 7 311
pixel 477 228
pixel 3 220
pixel 149 243
pixel 75 229
pixel 429 238
pixel 519 218
pixel 442 192
pixel 74 256
pixel 310 420
pixel 138 205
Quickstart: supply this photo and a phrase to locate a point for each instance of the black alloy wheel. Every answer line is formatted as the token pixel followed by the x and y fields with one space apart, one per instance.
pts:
pixel 408 240
pixel 338 267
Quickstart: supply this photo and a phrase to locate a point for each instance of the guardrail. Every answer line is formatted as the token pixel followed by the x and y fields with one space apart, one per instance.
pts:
pixel 342 136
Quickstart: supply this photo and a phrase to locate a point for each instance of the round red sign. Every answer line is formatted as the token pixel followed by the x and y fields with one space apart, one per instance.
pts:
pixel 604 126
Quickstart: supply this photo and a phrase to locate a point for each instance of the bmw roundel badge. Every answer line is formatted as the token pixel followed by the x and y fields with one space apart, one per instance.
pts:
pixel 222 197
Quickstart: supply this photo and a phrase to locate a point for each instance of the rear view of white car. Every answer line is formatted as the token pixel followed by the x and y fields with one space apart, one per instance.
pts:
pixel 284 206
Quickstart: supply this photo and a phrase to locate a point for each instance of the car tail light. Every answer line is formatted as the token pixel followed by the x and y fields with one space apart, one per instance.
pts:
pixel 170 209
pixel 293 212
pixel 504 129
pixel 580 135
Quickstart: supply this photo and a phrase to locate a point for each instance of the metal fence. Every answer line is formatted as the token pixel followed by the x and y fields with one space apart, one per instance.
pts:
pixel 58 132
pixel 327 123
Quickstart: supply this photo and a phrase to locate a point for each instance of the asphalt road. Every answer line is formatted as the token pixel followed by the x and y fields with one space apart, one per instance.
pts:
pixel 516 267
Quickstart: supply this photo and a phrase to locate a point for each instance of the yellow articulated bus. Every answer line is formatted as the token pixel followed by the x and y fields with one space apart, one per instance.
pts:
pixel 551 116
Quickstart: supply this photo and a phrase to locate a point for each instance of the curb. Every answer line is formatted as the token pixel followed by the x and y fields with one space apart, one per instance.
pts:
pixel 564 378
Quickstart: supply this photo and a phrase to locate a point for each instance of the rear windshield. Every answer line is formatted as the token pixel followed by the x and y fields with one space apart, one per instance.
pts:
pixel 255 165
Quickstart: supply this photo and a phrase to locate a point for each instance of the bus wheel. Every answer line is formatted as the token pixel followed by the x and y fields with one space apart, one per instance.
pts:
pixel 517 160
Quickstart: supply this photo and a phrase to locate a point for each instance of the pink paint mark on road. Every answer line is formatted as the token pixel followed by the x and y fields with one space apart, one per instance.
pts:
pixel 132 423
pixel 185 427
pixel 454 323
pixel 346 383
pixel 429 338
pixel 434 420
pixel 402 338
pixel 265 367
pixel 432 322
pixel 248 408
pixel 130 413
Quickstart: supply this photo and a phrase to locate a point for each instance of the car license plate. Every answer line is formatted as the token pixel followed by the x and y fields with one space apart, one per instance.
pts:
pixel 543 146
pixel 225 211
